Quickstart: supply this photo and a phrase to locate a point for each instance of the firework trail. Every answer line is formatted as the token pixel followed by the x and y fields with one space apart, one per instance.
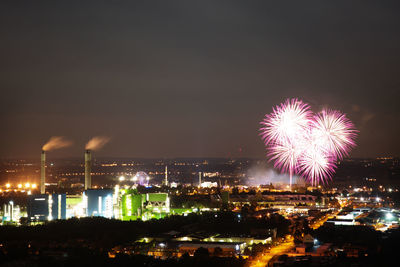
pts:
pixel 307 144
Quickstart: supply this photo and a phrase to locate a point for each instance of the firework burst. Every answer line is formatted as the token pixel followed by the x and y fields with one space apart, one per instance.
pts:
pixel 334 131
pixel 285 156
pixel 307 144
pixel 316 165
pixel 285 122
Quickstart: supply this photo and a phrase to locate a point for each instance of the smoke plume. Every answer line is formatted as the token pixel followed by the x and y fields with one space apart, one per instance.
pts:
pixel 56 142
pixel 97 142
pixel 262 175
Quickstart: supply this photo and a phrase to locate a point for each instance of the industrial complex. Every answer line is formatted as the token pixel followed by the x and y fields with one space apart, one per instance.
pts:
pixel 118 203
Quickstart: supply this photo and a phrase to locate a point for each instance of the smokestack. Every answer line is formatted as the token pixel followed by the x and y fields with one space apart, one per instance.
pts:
pixel 166 175
pixel 43 172
pixel 88 166
pixel 199 179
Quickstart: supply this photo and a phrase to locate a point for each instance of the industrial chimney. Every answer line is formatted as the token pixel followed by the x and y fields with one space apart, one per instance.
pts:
pixel 88 165
pixel 166 176
pixel 199 179
pixel 43 172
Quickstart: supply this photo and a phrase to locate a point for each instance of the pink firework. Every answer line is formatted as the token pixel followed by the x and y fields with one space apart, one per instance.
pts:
pixel 306 144
pixel 282 133
pixel 316 165
pixel 335 132
pixel 285 122
pixel 285 156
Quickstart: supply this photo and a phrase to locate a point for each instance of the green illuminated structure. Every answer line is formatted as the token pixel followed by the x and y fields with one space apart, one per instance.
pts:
pixel 143 206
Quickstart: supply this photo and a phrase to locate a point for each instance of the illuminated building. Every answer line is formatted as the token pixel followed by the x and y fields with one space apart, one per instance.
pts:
pixel 98 202
pixel 143 206
pixel 208 184
pixel 11 212
pixel 228 249
pixel 45 207
pixel 75 206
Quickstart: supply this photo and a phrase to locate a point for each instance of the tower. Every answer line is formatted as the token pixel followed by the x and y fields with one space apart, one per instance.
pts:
pixel 88 166
pixel 199 179
pixel 166 176
pixel 43 172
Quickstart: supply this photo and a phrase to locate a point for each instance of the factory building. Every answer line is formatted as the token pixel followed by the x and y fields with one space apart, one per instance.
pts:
pixel 75 206
pixel 11 212
pixel 45 207
pixel 98 202
pixel 143 206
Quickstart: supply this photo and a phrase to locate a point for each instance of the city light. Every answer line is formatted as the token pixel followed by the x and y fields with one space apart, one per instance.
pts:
pixel 121 178
pixel 8 185
pixel 389 216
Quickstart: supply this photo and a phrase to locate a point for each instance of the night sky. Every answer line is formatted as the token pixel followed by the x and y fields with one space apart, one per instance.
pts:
pixel 192 78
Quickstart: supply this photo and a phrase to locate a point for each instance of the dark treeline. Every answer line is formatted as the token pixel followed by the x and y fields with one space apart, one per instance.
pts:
pixel 85 257
pixel 376 248
pixel 116 231
pixel 88 240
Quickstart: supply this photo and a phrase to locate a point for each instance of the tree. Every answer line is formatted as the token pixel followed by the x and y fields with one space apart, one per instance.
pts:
pixel 247 251
pixel 201 253
pixel 257 249
pixel 218 252
pixel 235 191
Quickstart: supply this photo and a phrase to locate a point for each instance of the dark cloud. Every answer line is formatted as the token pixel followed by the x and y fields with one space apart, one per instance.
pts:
pixel 192 78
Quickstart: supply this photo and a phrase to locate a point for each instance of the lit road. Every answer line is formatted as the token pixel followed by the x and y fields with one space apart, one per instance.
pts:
pixel 277 250
pixel 286 246
pixel 322 220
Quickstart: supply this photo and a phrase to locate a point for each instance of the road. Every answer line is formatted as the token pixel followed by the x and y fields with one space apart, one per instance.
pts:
pixel 282 248
pixel 286 246
pixel 322 220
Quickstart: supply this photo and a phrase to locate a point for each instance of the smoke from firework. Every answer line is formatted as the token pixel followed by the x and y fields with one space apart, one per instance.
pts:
pixel 56 142
pixel 262 175
pixel 97 142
